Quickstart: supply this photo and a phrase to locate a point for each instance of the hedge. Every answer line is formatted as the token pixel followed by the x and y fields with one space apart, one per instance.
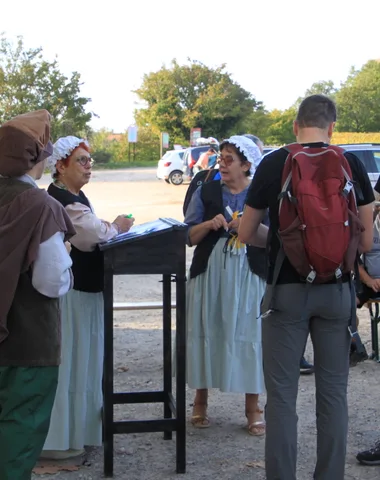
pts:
pixel 353 137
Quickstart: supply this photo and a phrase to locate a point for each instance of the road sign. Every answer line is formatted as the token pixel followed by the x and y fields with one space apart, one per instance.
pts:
pixel 132 134
pixel 165 140
pixel 195 133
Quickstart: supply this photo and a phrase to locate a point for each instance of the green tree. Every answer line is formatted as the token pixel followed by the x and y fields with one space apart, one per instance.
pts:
pixel 257 123
pixel 28 82
pixel 280 123
pixel 324 87
pixel 108 147
pixel 101 146
pixel 358 100
pixel 193 95
pixel 280 131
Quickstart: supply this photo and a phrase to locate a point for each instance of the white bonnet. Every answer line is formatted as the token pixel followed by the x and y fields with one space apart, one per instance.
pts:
pixel 248 148
pixel 62 149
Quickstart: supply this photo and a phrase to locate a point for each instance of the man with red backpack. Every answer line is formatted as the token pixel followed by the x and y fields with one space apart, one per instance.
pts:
pixel 320 204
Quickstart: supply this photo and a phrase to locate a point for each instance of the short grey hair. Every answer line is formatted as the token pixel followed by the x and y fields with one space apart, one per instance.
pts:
pixel 256 140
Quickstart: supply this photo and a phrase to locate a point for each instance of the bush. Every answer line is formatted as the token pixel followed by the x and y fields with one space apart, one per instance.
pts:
pixel 102 156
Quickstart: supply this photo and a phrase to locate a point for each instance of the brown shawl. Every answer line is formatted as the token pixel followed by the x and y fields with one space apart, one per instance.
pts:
pixel 28 215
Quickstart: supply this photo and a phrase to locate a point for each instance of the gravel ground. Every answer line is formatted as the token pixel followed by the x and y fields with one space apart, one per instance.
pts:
pixel 224 451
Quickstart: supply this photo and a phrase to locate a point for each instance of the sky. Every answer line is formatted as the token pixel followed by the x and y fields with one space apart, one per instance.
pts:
pixel 275 49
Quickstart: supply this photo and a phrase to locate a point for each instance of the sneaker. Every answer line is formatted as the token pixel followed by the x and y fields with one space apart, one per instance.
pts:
pixel 305 367
pixel 370 457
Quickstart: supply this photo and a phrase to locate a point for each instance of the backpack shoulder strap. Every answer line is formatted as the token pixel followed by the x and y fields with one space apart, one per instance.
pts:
pixel 210 175
pixel 286 179
pixel 293 148
pixel 211 191
pixel 337 149
pixel 198 180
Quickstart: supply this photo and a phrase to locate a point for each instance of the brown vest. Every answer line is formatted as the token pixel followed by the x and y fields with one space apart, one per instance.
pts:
pixel 33 320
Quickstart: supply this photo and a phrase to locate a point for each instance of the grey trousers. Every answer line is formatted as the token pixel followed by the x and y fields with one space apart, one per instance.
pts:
pixel 324 312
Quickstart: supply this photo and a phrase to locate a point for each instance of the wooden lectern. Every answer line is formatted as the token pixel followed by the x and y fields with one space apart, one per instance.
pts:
pixel 157 247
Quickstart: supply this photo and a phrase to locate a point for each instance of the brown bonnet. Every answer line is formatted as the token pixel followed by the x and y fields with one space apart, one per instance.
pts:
pixel 24 142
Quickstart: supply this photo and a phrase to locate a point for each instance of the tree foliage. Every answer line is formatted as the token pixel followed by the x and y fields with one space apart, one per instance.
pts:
pixel 176 99
pixel 193 95
pixel 257 123
pixel 110 148
pixel 358 100
pixel 324 87
pixel 28 82
pixel 280 130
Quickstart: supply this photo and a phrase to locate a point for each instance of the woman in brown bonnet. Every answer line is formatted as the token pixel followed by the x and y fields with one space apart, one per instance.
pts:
pixel 34 272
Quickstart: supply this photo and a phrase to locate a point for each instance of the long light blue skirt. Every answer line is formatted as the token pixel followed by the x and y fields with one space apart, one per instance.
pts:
pixel 76 416
pixel 224 325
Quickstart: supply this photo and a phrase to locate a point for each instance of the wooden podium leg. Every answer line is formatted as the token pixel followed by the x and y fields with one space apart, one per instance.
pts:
pixel 167 345
pixel 376 332
pixel 181 373
pixel 108 377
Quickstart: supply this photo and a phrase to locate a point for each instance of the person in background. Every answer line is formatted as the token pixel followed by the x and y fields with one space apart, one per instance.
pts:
pixel 260 145
pixel 370 276
pixel 256 140
pixel 376 190
pixel 203 162
pixel 34 272
pixel 224 291
pixel 76 418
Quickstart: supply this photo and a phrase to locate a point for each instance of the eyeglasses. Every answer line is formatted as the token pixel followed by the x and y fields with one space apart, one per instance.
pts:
pixel 84 160
pixel 228 160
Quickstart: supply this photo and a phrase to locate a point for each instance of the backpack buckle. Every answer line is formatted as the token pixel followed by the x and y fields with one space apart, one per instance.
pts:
pixel 291 198
pixel 311 277
pixel 352 334
pixel 347 188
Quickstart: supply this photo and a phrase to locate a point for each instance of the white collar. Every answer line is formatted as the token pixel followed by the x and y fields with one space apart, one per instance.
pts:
pixel 28 179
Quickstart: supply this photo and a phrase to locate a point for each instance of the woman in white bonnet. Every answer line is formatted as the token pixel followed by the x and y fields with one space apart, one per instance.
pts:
pixel 224 290
pixel 76 418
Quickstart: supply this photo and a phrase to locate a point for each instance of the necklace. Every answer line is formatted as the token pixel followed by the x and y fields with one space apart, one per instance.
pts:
pixel 60 185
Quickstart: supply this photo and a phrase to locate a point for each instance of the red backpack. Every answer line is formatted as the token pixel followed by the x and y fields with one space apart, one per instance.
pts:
pixel 319 225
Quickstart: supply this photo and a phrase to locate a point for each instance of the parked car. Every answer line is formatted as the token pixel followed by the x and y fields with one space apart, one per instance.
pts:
pixel 267 150
pixel 170 167
pixel 369 155
pixel 191 157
